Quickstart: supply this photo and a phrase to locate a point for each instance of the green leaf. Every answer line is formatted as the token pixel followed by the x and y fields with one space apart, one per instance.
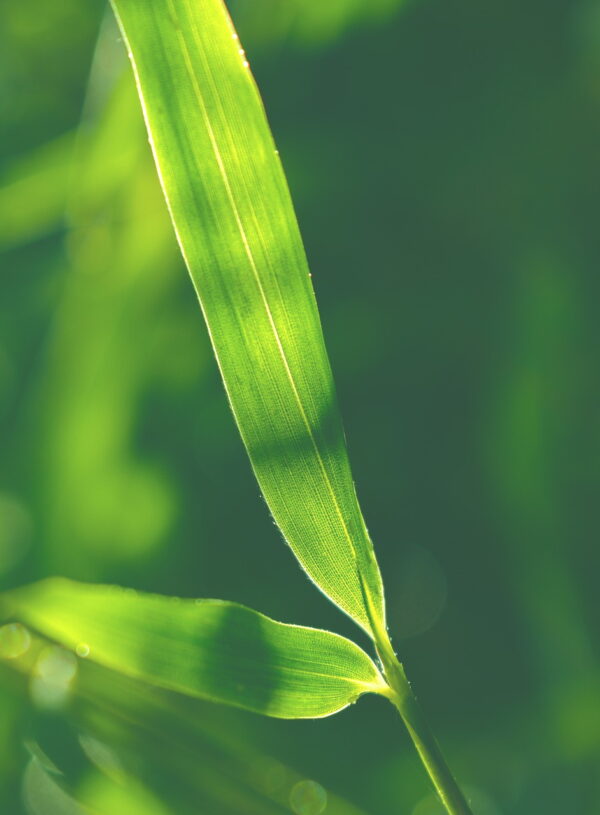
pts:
pixel 236 227
pixel 211 649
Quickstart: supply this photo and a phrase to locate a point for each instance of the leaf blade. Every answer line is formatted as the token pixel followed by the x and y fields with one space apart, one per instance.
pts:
pixel 210 649
pixel 236 227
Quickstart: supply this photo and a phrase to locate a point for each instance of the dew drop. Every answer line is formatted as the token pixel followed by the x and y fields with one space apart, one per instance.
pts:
pixel 82 650
pixel 15 640
pixel 53 678
pixel 246 63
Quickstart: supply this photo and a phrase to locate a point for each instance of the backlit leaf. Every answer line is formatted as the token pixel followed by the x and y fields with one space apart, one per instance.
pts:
pixel 211 649
pixel 236 227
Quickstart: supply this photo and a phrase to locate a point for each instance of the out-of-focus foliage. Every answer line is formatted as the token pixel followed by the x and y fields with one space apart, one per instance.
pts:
pixel 307 22
pixel 117 726
pixel 444 166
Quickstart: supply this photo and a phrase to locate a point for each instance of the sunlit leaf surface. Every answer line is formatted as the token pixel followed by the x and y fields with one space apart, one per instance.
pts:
pixel 206 648
pixel 237 230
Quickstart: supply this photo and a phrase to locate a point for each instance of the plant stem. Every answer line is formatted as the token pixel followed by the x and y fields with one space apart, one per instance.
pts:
pixel 402 697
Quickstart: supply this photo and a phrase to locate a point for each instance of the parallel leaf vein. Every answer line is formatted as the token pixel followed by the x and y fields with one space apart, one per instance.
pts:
pixel 253 266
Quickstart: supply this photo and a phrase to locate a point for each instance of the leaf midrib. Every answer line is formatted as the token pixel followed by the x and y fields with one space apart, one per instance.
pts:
pixel 249 254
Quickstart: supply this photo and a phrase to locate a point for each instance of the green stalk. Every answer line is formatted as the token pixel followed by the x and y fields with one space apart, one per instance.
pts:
pixel 402 697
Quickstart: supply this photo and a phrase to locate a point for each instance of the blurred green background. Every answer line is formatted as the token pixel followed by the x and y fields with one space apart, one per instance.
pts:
pixel 443 158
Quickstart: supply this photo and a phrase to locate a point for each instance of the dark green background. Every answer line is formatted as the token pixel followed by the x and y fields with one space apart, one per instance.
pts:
pixel 444 160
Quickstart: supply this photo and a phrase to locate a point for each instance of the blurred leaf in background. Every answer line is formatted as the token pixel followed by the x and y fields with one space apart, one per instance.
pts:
pixel 307 22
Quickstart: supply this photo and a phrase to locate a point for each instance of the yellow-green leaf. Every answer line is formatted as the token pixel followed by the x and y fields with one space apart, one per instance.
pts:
pixel 236 227
pixel 211 649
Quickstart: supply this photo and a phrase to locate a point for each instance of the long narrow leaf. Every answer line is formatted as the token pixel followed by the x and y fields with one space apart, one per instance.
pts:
pixel 211 649
pixel 235 223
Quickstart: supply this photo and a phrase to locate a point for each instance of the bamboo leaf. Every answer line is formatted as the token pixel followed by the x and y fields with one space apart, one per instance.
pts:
pixel 236 227
pixel 211 649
